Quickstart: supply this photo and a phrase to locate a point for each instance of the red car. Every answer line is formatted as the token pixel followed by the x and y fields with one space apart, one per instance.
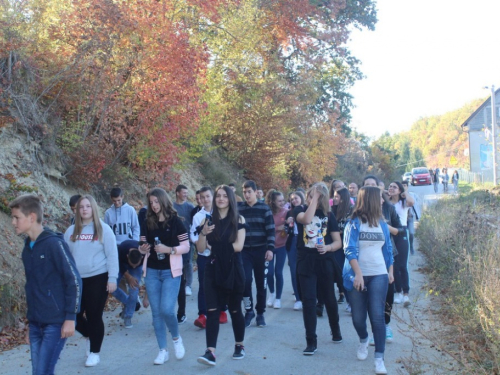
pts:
pixel 420 176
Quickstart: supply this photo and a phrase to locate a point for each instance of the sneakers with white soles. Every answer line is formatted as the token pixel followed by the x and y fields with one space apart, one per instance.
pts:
pixel 161 358
pixel 406 301
pixel 270 300
pixel 179 348
pixel 398 298
pixel 277 304
pixel 388 333
pixel 380 367
pixel 297 305
pixel 92 360
pixel 362 350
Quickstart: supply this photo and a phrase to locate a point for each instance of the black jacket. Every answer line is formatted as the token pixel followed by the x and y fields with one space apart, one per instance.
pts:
pixel 53 284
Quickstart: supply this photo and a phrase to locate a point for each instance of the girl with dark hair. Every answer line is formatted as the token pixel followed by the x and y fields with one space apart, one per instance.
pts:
pixel 402 202
pixel 318 238
pixel 296 199
pixel 342 209
pixel 276 201
pixel 224 275
pixel 454 180
pixel 165 234
pixel 368 271
pixel 93 245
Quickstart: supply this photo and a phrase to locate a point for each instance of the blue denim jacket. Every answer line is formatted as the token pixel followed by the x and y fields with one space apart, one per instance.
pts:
pixel 351 249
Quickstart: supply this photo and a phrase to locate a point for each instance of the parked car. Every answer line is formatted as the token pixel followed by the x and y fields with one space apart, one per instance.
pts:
pixel 420 176
pixel 407 176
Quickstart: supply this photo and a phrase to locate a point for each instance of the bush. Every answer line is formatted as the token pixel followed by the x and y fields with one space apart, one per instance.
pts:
pixel 460 240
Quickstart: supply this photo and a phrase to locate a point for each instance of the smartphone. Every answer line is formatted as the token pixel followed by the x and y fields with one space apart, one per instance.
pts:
pixel 142 243
pixel 209 220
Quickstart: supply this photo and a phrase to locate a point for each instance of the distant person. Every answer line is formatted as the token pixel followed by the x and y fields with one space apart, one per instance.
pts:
pixel 130 261
pixel 93 245
pixel 198 206
pixel 233 188
pixel 445 178
pixel 51 320
pixel 454 179
pixel 184 209
pixel 402 202
pixel 122 218
pixel 224 274
pixel 413 215
pixel 276 201
pixel 353 191
pixel 368 271
pixel 318 238
pixel 260 195
pixel 257 251
pixel 435 179
pixel 72 205
pixel 166 240
pixel 296 199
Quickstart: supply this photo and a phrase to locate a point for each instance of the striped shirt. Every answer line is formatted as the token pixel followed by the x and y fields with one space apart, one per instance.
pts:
pixel 260 225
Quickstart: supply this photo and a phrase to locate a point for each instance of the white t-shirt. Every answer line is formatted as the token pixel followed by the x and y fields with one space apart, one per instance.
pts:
pixel 371 260
pixel 402 212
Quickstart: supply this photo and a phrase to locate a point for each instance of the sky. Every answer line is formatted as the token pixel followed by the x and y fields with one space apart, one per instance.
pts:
pixel 425 58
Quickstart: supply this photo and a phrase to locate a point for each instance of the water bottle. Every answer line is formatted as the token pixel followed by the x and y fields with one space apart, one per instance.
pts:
pixel 320 240
pixel 160 256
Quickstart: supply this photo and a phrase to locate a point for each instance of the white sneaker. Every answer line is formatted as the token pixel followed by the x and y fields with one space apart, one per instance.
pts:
pixel 348 308
pixel 363 350
pixel 297 305
pixel 398 298
pixel 406 301
pixel 277 304
pixel 92 360
pixel 87 346
pixel 179 348
pixel 189 292
pixel 161 358
pixel 270 300
pixel 380 367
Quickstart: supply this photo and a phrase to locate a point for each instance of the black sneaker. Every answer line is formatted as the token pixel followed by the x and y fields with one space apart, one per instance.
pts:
pixel 137 306
pixel 261 322
pixel 248 318
pixel 239 352
pixel 319 310
pixel 208 358
pixel 310 349
pixel 181 319
pixel 341 299
pixel 337 338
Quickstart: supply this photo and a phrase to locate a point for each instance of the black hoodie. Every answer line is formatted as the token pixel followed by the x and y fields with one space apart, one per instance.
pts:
pixel 53 284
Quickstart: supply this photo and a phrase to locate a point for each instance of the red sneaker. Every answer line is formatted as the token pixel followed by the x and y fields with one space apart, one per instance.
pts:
pixel 223 317
pixel 201 322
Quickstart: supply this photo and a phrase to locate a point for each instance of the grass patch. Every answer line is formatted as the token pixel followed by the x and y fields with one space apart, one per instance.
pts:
pixel 460 240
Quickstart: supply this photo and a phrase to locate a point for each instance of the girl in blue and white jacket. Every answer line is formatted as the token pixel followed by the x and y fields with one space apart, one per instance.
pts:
pixel 368 271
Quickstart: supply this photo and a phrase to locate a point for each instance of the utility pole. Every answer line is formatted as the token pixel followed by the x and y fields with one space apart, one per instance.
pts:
pixel 494 133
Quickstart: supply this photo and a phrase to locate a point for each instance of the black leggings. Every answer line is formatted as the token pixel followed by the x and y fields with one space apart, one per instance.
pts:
pixel 94 296
pixel 216 297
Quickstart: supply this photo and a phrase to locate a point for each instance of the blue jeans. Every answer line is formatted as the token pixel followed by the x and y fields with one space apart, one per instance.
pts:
pixel 276 271
pixel 129 300
pixel 292 262
pixel 372 301
pixel 162 291
pixel 46 344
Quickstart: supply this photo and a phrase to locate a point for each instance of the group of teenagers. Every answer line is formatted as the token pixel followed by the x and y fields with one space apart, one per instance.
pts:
pixel 443 175
pixel 356 239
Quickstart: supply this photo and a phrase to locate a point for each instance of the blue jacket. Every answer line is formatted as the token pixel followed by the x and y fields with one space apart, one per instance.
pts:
pixel 53 284
pixel 351 249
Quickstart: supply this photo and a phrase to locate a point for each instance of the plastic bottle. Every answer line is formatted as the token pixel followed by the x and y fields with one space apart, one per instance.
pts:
pixel 160 256
pixel 320 240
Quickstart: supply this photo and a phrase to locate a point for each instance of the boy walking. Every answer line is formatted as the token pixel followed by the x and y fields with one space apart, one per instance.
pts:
pixel 122 218
pixel 53 284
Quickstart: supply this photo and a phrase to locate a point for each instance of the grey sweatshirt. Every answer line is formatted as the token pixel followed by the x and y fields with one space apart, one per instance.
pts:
pixel 124 223
pixel 94 257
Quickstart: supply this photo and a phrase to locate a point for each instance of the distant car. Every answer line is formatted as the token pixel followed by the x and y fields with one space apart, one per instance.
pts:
pixel 420 176
pixel 407 177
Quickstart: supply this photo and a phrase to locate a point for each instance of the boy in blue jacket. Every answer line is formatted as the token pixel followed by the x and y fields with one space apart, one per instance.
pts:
pixel 53 284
